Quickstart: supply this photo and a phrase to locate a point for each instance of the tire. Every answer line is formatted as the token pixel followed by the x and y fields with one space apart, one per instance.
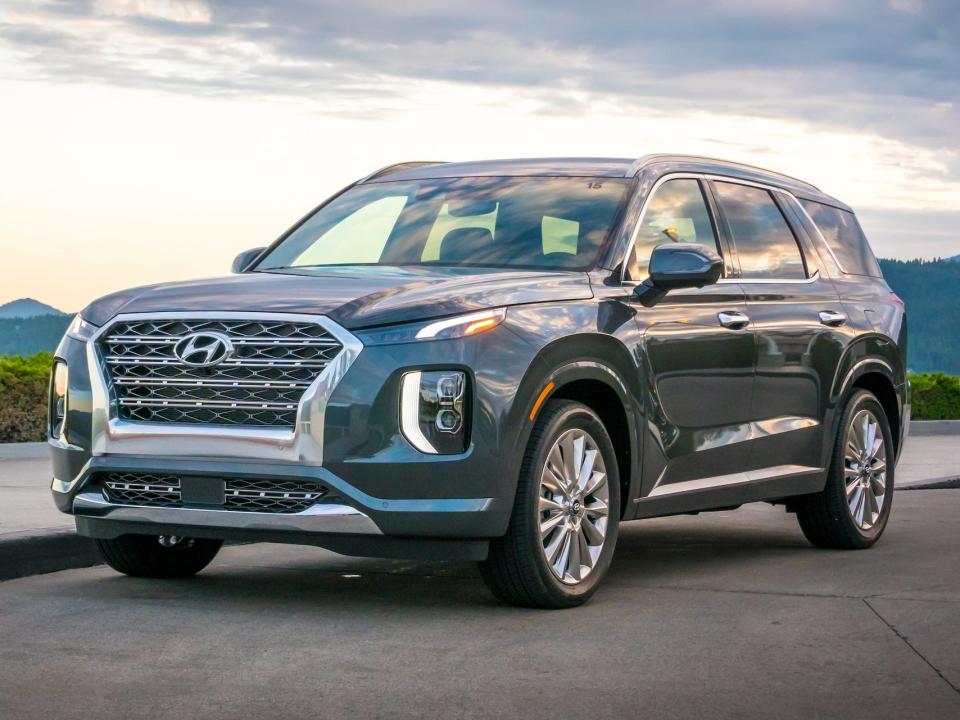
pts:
pixel 517 570
pixel 828 518
pixel 145 556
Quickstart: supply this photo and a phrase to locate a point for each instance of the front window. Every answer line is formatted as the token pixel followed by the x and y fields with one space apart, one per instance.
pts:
pixel 536 222
pixel 676 213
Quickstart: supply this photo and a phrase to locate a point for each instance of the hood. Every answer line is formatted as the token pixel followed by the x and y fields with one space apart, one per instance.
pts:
pixel 354 297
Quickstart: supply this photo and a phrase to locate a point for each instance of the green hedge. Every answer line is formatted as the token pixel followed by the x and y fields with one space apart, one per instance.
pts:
pixel 935 396
pixel 23 397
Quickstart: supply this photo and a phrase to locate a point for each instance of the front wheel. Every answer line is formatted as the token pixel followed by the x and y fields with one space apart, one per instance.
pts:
pixel 852 510
pixel 565 517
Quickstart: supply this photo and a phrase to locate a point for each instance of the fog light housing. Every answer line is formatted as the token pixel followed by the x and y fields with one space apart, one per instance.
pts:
pixel 434 411
pixel 58 398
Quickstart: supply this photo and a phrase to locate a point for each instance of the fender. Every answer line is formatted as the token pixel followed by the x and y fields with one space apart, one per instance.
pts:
pixel 586 356
pixel 869 353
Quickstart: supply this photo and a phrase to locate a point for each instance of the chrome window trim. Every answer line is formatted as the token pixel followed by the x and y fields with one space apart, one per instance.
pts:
pixel 770 281
pixel 302 444
pixel 718 178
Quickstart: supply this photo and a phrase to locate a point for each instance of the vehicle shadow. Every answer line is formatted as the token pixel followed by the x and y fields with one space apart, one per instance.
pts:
pixel 269 577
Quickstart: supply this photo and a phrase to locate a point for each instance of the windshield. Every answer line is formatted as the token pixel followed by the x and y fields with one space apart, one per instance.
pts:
pixel 533 222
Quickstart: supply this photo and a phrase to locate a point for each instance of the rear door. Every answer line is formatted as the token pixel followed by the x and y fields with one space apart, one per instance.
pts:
pixel 796 318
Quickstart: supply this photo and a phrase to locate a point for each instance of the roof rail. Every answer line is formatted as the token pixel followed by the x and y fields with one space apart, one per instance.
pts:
pixel 645 160
pixel 397 167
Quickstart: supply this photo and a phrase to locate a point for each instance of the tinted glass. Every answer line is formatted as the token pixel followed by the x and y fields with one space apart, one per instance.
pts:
pixel 676 213
pixel 765 244
pixel 537 222
pixel 843 234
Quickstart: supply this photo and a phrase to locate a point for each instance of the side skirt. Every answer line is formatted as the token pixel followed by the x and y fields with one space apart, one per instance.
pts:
pixel 728 490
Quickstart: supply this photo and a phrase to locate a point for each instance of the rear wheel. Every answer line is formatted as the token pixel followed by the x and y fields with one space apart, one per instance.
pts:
pixel 164 556
pixel 565 517
pixel 852 510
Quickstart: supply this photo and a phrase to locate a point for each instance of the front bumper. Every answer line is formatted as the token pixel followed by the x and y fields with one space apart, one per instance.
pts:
pixel 345 519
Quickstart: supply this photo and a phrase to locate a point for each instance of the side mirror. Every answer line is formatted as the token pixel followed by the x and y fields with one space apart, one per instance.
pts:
pixel 678 265
pixel 242 261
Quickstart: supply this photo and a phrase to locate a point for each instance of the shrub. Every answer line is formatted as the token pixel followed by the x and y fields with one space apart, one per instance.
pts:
pixel 23 397
pixel 935 396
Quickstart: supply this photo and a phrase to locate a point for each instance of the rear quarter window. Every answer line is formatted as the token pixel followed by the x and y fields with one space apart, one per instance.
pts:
pixel 845 238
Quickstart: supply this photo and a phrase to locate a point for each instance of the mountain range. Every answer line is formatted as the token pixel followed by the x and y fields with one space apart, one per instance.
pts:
pixel 27 308
pixel 928 287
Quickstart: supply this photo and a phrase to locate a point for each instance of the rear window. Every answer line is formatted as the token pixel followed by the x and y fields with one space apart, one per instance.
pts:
pixel 765 243
pixel 844 237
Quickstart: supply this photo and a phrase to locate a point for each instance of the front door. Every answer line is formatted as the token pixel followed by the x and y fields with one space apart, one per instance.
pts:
pixel 697 354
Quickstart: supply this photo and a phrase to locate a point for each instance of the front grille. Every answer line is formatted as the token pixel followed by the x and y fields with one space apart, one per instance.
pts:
pixel 142 489
pixel 267 496
pixel 261 383
pixel 272 495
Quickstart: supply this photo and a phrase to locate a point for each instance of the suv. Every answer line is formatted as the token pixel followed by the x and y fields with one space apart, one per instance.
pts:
pixel 495 361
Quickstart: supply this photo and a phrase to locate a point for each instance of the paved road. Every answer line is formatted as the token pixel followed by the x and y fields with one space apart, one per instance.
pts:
pixel 722 615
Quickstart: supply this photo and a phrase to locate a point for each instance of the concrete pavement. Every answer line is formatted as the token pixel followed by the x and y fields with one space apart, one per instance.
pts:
pixel 721 615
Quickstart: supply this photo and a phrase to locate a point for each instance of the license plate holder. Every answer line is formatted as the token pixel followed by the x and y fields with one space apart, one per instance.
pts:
pixel 206 491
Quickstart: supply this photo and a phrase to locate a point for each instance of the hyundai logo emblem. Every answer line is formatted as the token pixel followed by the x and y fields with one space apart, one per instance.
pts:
pixel 203 349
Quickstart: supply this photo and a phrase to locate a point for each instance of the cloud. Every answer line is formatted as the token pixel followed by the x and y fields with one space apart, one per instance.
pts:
pixel 909 234
pixel 887 67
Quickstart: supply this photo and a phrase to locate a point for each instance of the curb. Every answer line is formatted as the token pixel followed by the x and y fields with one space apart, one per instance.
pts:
pixel 923 428
pixel 24 451
pixel 37 553
pixel 944 483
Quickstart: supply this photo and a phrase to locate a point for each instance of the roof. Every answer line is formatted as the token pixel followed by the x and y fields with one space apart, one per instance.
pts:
pixel 596 167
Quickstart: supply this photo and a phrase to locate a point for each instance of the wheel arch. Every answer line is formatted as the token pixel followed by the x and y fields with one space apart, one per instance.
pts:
pixel 879 376
pixel 596 370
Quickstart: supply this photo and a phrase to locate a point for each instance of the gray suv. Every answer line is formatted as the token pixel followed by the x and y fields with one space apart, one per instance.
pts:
pixel 494 361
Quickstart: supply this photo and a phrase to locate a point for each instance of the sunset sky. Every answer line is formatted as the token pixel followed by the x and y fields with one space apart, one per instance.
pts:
pixel 147 140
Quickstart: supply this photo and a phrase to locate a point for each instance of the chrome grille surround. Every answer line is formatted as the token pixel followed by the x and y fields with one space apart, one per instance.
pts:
pixel 245 495
pixel 302 443
pixel 271 365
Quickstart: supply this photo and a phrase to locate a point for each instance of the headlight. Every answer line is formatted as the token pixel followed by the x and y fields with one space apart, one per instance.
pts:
pixel 446 329
pixel 58 398
pixel 434 411
pixel 80 329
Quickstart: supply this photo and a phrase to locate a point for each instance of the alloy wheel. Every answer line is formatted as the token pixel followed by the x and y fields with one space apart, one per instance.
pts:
pixel 574 506
pixel 865 469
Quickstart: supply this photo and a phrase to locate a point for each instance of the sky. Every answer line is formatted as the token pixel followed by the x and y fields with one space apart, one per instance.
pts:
pixel 152 140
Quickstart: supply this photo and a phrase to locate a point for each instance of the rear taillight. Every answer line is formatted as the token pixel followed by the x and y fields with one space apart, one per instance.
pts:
pixel 897 299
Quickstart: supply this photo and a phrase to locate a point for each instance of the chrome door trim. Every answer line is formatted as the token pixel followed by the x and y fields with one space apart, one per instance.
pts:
pixel 302 444
pixel 720 481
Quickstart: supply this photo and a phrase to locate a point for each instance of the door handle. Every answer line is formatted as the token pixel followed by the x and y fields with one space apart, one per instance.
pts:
pixel 832 318
pixel 733 319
